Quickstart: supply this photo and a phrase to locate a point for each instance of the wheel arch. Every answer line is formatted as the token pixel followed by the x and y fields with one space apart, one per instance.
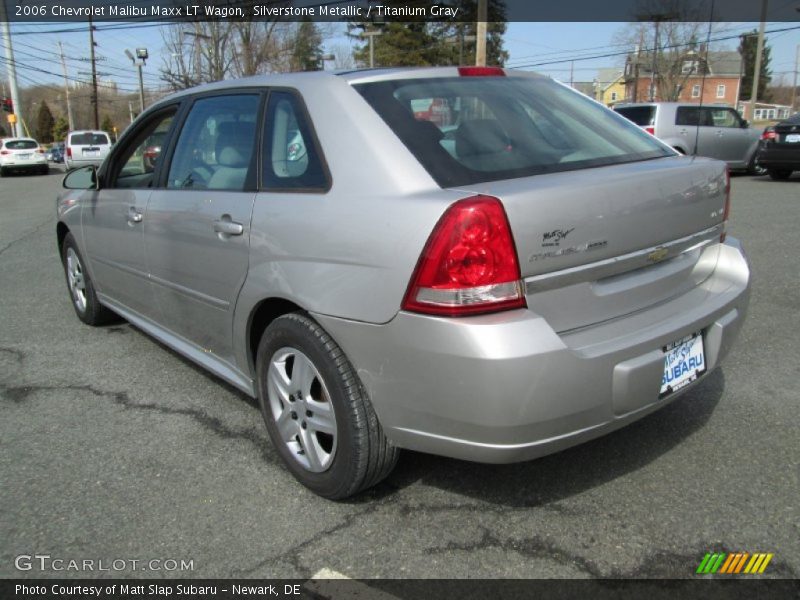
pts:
pixel 262 314
pixel 61 233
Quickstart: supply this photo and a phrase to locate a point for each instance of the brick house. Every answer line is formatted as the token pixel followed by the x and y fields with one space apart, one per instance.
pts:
pixel 723 77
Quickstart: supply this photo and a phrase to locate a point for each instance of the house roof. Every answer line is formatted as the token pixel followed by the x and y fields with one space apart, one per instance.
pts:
pixel 719 63
pixel 607 77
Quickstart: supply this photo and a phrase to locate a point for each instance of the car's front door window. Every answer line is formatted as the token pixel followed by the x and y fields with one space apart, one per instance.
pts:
pixel 137 162
pixel 215 147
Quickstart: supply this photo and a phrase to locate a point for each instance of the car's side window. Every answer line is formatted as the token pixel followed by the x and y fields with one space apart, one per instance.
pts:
pixel 687 115
pixel 215 147
pixel 291 159
pixel 135 165
pixel 725 117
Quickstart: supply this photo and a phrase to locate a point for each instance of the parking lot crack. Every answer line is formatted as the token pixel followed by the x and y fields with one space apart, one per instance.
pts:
pixel 20 394
pixel 25 236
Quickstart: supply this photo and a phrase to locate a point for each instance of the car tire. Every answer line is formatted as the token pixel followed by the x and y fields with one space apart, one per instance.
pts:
pixel 80 286
pixel 326 431
pixel 779 174
pixel 753 168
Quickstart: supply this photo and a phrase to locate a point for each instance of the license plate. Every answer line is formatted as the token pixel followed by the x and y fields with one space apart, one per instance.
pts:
pixel 793 138
pixel 91 152
pixel 23 156
pixel 684 361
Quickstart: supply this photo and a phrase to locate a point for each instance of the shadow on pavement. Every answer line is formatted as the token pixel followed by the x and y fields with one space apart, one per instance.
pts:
pixel 572 471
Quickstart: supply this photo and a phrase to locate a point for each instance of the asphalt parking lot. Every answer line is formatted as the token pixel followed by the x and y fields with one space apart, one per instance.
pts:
pixel 114 447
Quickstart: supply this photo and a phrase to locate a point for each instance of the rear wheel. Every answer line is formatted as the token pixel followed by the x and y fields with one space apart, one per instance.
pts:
pixel 317 412
pixel 779 174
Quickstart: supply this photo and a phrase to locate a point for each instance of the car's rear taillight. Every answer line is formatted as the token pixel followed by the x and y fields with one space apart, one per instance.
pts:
pixel 69 151
pixel 650 129
pixel 769 134
pixel 4 152
pixel 469 264
pixel 727 210
pixel 481 72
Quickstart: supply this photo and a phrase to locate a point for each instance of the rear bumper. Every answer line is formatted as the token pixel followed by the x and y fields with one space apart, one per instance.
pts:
pixel 779 158
pixel 506 388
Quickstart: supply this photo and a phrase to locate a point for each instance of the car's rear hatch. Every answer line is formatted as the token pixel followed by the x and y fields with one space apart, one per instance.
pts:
pixel 600 243
pixel 787 134
pixel 606 219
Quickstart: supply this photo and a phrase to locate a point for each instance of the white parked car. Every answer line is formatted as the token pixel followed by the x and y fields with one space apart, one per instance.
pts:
pixel 86 148
pixel 22 154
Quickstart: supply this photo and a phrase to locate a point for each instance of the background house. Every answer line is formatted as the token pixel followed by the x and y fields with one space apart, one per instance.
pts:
pixel 609 87
pixel 686 77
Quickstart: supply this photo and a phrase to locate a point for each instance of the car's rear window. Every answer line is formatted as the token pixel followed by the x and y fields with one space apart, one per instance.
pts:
pixel 474 129
pixel 88 139
pixel 643 116
pixel 21 145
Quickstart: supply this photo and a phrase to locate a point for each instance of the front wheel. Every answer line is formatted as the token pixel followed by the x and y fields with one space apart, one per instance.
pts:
pixel 317 412
pixel 779 174
pixel 81 288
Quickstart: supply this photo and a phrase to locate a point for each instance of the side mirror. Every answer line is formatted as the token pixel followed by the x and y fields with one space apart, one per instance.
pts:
pixel 84 178
pixel 745 124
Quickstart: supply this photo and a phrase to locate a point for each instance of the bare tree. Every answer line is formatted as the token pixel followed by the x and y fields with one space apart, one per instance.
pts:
pixel 668 42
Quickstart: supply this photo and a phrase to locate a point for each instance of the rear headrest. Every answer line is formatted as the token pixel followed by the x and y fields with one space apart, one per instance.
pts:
pixel 234 144
pixel 481 136
pixel 427 131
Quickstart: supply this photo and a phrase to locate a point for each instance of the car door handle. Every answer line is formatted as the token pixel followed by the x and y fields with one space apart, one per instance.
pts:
pixel 225 226
pixel 134 216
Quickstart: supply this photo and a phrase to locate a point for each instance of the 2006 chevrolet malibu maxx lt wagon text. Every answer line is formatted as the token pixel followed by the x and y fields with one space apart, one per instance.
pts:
pixel 471 262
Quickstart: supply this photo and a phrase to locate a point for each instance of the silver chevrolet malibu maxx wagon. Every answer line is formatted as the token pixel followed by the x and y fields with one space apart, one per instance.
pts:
pixel 472 262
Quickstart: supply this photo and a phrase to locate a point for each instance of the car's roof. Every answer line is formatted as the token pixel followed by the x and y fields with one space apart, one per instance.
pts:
pixel 18 139
pixel 792 119
pixel 298 79
pixel 657 103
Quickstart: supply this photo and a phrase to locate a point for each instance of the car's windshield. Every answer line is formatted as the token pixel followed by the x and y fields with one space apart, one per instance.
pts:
pixel 88 139
pixel 21 144
pixel 474 129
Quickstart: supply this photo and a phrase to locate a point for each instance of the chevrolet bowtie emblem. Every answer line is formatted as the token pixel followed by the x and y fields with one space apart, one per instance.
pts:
pixel 658 255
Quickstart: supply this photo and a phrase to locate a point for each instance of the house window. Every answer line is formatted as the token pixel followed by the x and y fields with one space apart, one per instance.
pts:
pixel 720 91
pixel 613 96
pixel 696 90
pixel 758 115
pixel 689 66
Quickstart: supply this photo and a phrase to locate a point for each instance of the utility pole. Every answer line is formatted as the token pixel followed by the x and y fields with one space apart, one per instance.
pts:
pixel 66 88
pixel 142 55
pixel 655 65
pixel 130 110
pixel 571 73
pixel 480 32
pixel 757 66
pixel 794 86
pixel 371 35
pixel 12 72
pixel 95 108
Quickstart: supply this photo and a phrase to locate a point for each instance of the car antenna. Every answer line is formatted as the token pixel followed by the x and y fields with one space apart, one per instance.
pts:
pixel 704 66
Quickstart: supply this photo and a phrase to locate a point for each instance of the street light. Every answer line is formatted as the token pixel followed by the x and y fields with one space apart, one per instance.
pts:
pixel 142 56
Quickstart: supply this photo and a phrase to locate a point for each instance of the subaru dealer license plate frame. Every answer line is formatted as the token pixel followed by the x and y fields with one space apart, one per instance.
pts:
pixel 684 362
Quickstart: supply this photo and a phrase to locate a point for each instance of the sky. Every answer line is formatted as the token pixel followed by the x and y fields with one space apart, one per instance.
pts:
pixel 529 45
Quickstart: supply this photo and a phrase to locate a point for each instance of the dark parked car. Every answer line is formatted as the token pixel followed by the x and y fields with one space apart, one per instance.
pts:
pixel 56 154
pixel 779 152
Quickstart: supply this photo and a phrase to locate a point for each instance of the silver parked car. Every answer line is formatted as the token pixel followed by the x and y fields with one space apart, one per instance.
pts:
pixel 708 130
pixel 521 273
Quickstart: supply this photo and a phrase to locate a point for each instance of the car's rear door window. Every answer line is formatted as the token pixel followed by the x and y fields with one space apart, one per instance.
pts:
pixel 473 129
pixel 215 148
pixel 643 116
pixel 292 159
pixel 21 144
pixel 89 139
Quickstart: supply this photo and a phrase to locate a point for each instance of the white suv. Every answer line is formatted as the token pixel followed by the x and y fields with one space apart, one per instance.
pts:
pixel 86 148
pixel 18 154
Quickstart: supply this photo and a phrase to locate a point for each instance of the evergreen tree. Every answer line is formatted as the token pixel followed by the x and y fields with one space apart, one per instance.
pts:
pixel 747 49
pixel 107 125
pixel 60 129
pixel 307 52
pixel 433 43
pixel 44 124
